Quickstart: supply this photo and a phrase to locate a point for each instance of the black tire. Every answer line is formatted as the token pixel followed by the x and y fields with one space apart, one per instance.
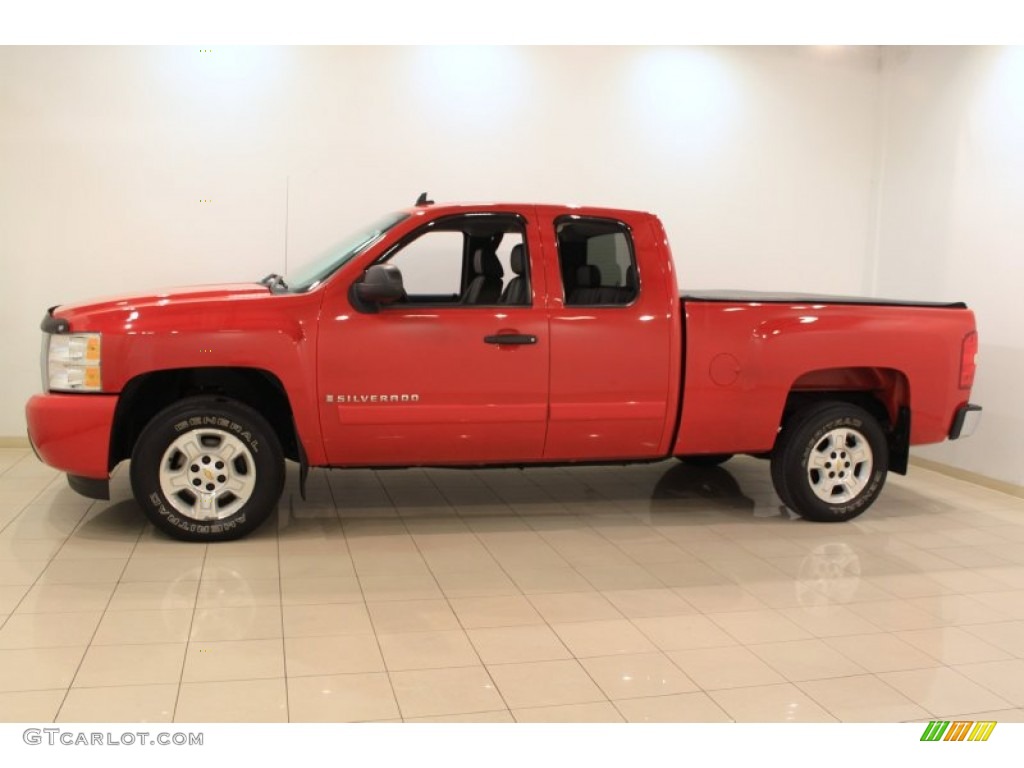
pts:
pixel 849 478
pixel 779 477
pixel 705 459
pixel 241 453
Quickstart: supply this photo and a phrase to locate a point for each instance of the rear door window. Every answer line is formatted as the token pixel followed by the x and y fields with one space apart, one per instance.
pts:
pixel 597 262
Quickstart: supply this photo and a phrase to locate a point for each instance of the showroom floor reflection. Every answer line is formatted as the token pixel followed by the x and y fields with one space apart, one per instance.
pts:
pixel 652 593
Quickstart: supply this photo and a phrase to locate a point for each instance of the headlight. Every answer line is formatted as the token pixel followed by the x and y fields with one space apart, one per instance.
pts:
pixel 72 362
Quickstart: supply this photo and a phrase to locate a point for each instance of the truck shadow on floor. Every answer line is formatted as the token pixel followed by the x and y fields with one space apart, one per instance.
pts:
pixel 699 487
pixel 680 493
pixel 118 520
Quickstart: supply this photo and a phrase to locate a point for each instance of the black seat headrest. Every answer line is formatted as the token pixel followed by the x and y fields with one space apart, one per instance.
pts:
pixel 516 260
pixel 631 281
pixel 486 263
pixel 588 276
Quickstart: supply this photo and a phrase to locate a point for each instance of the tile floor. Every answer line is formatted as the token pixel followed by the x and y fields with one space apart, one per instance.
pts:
pixel 649 593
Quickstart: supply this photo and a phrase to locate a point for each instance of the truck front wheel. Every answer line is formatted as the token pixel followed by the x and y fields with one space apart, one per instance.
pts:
pixel 207 469
pixel 830 461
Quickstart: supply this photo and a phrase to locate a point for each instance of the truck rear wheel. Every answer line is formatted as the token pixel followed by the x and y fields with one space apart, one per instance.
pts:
pixel 207 469
pixel 830 462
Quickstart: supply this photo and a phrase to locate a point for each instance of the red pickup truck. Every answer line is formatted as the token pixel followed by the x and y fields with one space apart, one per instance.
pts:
pixel 502 334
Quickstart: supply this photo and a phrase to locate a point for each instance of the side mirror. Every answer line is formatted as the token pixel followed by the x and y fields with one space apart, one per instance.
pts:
pixel 381 284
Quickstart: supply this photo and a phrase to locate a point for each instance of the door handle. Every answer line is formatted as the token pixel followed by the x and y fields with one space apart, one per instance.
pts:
pixel 510 338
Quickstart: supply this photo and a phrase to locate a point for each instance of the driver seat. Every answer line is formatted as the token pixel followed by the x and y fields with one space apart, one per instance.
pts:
pixel 517 291
pixel 485 287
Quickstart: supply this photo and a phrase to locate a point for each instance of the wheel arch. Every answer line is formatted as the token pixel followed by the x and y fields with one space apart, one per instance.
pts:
pixel 883 392
pixel 147 394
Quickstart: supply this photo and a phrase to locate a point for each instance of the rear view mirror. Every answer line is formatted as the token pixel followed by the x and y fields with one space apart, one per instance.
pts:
pixel 381 284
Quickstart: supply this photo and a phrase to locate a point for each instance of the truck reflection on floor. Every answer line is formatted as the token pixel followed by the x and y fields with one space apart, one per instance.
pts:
pixel 830 570
pixel 828 575
pixel 703 500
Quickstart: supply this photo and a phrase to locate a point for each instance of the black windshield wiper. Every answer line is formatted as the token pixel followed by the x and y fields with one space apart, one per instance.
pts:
pixel 275 283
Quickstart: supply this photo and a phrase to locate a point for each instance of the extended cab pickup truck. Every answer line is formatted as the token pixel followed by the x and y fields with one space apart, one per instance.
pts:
pixel 469 335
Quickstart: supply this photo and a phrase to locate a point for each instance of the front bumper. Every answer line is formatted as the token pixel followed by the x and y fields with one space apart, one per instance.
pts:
pixel 965 421
pixel 71 432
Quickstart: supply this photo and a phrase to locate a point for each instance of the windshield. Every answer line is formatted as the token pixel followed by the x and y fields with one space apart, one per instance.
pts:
pixel 311 274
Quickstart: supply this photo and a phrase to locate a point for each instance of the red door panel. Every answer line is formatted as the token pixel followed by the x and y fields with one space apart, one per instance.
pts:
pixel 459 399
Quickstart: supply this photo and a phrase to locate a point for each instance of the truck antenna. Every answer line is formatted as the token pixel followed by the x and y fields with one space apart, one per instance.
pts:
pixel 422 200
pixel 287 185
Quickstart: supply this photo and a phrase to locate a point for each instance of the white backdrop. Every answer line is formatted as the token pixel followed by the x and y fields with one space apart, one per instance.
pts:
pixel 771 167
pixel 953 222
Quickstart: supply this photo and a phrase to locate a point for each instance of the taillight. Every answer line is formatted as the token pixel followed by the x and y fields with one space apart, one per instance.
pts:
pixel 968 360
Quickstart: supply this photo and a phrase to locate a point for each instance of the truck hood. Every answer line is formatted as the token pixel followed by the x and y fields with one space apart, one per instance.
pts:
pixel 100 314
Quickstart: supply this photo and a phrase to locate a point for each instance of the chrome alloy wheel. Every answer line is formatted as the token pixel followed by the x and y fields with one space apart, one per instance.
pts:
pixel 839 465
pixel 207 474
